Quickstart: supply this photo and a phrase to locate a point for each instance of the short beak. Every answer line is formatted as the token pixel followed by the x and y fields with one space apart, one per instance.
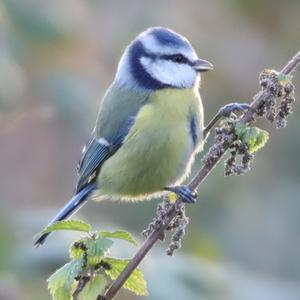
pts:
pixel 201 65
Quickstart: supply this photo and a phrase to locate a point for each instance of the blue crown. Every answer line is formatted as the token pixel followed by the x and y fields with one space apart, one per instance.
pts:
pixel 167 37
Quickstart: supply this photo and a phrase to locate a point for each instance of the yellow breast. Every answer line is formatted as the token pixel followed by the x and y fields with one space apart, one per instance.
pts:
pixel 176 103
pixel 158 149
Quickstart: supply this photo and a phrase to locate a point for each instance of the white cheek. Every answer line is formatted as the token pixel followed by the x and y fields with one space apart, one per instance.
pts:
pixel 171 73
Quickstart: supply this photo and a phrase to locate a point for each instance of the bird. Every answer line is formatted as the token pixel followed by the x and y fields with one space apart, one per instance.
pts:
pixel 149 127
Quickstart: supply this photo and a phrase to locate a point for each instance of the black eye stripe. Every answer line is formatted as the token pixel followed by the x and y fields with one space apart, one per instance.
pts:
pixel 171 57
pixel 178 58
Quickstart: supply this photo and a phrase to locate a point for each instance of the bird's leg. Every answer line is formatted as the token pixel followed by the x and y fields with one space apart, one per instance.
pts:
pixel 225 111
pixel 183 191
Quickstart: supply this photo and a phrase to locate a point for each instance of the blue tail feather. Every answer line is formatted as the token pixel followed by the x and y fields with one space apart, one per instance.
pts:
pixel 69 209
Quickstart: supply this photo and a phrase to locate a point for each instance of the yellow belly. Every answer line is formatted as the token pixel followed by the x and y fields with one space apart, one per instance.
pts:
pixel 158 151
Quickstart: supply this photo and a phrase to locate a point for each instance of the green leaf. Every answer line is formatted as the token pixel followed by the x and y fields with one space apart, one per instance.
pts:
pixel 77 249
pixel 135 283
pixel 254 137
pixel 61 281
pixel 75 225
pixel 261 139
pixel 99 246
pixel 93 288
pixel 123 235
pixel 97 249
pixel 240 128
pixel 250 136
pixel 76 253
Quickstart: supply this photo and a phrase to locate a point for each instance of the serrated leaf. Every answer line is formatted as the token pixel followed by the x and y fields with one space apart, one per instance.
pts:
pixel 240 128
pixel 93 288
pixel 97 249
pixel 254 137
pixel 75 225
pixel 261 140
pixel 123 235
pixel 99 246
pixel 250 136
pixel 135 283
pixel 76 253
pixel 61 281
pixel 77 249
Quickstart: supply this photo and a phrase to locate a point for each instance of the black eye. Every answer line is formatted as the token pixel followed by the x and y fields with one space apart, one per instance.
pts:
pixel 179 58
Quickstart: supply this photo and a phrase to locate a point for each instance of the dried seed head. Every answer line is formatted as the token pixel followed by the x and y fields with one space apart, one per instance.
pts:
pixel 274 87
pixel 281 122
pixel 224 135
pixel 230 163
pixel 289 88
pixel 269 80
pixel 162 212
pixel 284 110
pixel 239 161
pixel 179 225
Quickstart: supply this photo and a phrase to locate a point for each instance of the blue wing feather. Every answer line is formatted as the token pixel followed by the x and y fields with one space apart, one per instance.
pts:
pixel 93 157
pixel 96 153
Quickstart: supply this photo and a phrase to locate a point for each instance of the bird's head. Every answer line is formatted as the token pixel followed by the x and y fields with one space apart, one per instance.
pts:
pixel 160 58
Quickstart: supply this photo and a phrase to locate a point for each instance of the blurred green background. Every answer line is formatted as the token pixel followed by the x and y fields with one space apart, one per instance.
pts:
pixel 57 58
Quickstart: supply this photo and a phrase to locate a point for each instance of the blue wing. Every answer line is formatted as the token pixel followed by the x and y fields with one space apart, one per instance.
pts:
pixel 97 151
pixel 94 154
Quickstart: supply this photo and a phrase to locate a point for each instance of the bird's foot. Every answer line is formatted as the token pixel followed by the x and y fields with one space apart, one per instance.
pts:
pixel 226 110
pixel 188 195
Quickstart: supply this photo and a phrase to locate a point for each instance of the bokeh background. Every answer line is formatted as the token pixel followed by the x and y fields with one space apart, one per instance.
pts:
pixel 57 57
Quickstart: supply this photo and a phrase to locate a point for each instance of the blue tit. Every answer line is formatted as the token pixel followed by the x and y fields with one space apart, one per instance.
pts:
pixel 149 126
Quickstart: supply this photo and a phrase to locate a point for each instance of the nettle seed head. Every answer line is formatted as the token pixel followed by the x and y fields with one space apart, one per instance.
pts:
pixel 239 160
pixel 276 86
pixel 224 135
pixel 269 80
pixel 284 110
pixel 179 226
pixel 162 212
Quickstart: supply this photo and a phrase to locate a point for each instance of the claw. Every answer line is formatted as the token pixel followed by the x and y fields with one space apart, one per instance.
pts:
pixel 188 195
pixel 226 110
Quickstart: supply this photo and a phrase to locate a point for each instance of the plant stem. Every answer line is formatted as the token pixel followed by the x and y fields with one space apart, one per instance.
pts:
pixel 80 286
